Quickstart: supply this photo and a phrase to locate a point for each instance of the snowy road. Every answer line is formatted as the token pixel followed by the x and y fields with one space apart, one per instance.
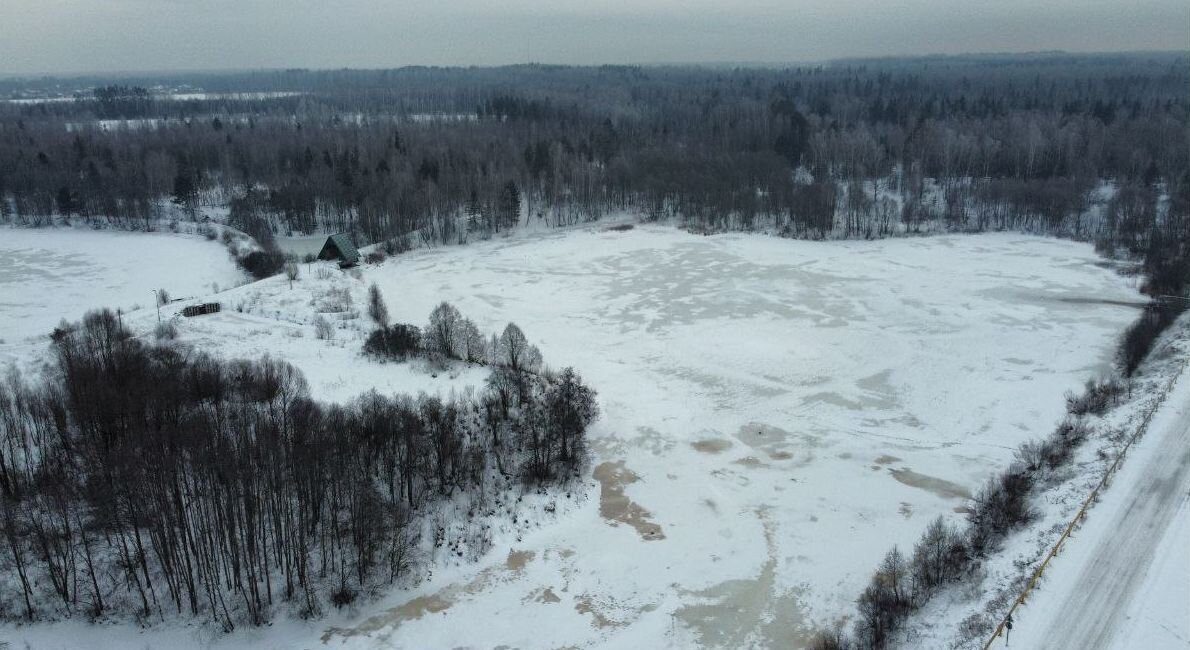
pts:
pixel 1085 600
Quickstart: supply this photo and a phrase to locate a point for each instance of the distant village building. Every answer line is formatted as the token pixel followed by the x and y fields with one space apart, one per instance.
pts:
pixel 340 247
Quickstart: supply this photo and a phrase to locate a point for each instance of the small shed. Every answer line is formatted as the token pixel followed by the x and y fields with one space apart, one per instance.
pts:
pixel 200 310
pixel 340 247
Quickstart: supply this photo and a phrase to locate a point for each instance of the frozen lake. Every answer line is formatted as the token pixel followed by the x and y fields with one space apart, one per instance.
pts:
pixel 776 415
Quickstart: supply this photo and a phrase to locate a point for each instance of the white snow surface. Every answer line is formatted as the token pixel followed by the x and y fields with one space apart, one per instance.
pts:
pixel 50 274
pixel 1159 614
pixel 776 415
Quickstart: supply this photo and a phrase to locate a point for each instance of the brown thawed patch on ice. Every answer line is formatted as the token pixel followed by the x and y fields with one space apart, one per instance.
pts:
pixel 748 612
pixel 585 605
pixel 518 559
pixel 435 603
pixel 395 616
pixel 544 595
pixel 934 485
pixel 606 612
pixel 419 607
pixel 711 445
pixel 615 506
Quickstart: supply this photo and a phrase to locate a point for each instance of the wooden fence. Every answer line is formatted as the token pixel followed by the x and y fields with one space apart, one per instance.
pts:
pixel 200 310
pixel 1086 505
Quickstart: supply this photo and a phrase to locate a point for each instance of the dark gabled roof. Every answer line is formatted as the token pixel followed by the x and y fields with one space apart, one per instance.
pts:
pixel 341 243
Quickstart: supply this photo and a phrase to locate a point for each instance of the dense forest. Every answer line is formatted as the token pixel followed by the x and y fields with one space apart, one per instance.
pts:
pixel 1093 147
pixel 145 479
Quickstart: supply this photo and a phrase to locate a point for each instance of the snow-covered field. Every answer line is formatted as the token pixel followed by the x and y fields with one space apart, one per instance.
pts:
pixel 50 274
pixel 776 415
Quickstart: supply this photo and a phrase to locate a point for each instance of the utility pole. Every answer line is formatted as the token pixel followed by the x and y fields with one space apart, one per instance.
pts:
pixel 157 301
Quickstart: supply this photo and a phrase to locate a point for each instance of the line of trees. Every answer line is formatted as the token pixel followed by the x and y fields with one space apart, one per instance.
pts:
pixel 152 481
pixel 448 336
pixel 857 149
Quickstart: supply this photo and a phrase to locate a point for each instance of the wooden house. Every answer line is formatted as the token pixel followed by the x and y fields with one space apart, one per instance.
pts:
pixel 340 247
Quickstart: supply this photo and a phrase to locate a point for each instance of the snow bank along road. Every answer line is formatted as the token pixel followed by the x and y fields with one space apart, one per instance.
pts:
pixel 1084 602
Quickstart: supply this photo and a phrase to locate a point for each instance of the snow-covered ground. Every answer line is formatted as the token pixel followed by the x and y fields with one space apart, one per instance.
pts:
pixel 776 415
pixel 1159 614
pixel 50 274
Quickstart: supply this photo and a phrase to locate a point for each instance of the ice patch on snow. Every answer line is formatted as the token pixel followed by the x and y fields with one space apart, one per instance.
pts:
pixel 615 506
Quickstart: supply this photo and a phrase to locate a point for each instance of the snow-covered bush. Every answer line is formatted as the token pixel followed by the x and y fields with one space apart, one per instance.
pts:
pixel 395 343
pixel 1138 339
pixel 291 272
pixel 1096 399
pixel 166 331
pixel 262 264
pixel 335 300
pixel 323 329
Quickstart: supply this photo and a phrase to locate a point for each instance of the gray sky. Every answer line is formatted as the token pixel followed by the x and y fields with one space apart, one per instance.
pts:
pixel 123 35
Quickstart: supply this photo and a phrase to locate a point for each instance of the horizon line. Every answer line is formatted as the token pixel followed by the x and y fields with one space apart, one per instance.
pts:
pixel 151 72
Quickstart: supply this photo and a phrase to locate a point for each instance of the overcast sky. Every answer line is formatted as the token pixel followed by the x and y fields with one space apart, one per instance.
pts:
pixel 58 36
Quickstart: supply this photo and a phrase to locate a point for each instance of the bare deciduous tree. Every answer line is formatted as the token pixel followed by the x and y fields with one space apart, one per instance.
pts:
pixel 377 310
pixel 291 272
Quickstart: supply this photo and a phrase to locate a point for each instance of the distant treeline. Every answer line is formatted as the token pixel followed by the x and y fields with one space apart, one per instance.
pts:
pixel 1092 147
pixel 150 480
